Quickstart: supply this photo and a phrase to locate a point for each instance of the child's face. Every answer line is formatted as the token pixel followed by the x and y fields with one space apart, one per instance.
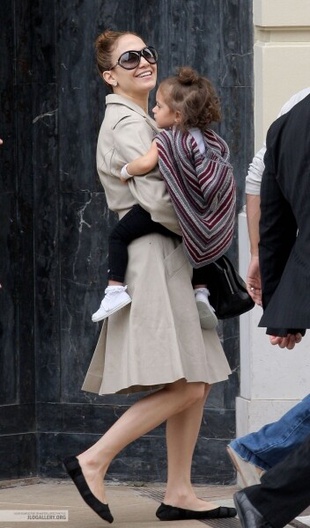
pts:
pixel 163 115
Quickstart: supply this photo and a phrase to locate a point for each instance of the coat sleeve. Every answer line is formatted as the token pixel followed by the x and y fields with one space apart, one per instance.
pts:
pixel 277 233
pixel 133 138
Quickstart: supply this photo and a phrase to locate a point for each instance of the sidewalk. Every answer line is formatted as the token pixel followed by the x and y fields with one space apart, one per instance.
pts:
pixel 132 506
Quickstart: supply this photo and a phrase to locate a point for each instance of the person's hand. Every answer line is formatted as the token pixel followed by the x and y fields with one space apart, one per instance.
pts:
pixel 1 141
pixel 124 180
pixel 253 281
pixel 288 341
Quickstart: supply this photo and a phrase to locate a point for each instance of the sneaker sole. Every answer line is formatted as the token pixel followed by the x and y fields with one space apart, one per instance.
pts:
pixel 111 312
pixel 208 319
pixel 248 472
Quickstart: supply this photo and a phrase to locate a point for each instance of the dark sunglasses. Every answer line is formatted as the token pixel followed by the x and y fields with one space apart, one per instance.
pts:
pixel 131 59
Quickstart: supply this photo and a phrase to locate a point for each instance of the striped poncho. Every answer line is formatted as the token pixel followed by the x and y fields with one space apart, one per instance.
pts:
pixel 203 192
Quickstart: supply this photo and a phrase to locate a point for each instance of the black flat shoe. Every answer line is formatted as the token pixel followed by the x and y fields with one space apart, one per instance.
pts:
pixel 74 470
pixel 173 513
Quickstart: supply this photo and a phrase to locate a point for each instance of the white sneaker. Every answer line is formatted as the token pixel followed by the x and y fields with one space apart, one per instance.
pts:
pixel 208 319
pixel 115 298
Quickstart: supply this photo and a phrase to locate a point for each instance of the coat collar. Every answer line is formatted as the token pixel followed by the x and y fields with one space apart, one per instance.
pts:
pixel 119 99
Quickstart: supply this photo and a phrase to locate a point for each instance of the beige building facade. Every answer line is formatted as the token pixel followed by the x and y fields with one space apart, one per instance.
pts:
pixel 272 380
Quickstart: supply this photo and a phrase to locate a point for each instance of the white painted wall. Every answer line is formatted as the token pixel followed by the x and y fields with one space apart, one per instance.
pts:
pixel 272 380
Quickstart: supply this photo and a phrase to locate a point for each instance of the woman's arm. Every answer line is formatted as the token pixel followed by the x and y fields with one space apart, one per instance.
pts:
pixel 141 165
pixel 132 138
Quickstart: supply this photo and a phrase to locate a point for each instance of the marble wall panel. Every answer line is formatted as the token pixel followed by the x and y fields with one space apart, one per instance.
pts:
pixel 211 462
pixel 8 311
pixel 21 13
pixel 18 418
pixel 231 346
pixel 54 447
pixel 145 457
pixel 187 35
pixel 85 222
pixel 17 409
pixel 18 456
pixel 71 428
pixel 16 235
pixel 8 224
pixel 236 42
pixel 46 240
pixel 81 94
pixel 87 418
pixel 24 279
pixel 43 42
pixel 7 101
pixel 236 128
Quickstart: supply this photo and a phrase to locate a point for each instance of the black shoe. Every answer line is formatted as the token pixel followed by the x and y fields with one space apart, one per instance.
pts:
pixel 74 470
pixel 248 515
pixel 173 513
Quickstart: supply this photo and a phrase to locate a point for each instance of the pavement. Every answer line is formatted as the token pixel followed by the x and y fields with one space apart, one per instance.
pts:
pixel 33 502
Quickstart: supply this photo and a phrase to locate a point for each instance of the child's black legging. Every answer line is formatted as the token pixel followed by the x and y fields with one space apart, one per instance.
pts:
pixel 135 224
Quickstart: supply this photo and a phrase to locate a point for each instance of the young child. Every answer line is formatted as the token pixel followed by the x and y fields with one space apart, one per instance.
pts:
pixel 188 103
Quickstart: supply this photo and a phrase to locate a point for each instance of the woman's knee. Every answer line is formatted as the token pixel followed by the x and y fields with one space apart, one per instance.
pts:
pixel 195 392
pixel 191 392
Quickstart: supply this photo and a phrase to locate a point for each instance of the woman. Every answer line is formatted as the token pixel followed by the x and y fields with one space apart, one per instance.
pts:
pixel 156 343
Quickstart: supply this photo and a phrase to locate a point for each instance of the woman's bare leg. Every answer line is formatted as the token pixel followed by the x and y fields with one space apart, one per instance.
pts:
pixel 182 434
pixel 142 417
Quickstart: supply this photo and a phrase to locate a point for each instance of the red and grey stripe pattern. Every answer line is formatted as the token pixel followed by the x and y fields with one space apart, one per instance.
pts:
pixel 203 191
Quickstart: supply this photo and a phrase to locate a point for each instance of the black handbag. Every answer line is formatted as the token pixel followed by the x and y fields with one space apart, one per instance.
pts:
pixel 228 293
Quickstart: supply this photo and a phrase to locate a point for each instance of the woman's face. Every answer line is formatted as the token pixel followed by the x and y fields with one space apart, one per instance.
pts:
pixel 139 81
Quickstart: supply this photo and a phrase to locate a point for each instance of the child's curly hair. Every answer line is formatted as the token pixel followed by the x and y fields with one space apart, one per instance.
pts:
pixel 193 96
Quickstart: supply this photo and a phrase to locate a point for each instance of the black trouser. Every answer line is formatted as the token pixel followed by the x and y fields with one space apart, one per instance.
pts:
pixel 284 491
pixel 135 224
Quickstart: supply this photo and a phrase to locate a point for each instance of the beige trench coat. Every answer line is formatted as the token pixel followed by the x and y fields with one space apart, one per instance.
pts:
pixel 157 339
